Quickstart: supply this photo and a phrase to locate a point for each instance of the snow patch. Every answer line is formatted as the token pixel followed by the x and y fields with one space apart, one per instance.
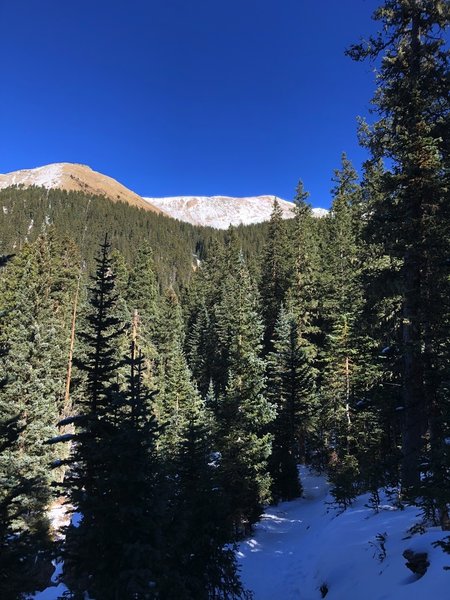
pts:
pixel 53 592
pixel 48 176
pixel 320 212
pixel 222 211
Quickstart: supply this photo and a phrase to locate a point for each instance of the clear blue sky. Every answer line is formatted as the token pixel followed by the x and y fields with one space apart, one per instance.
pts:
pixel 173 97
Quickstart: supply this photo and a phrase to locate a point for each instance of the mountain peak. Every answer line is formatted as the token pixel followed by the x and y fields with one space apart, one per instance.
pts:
pixel 75 177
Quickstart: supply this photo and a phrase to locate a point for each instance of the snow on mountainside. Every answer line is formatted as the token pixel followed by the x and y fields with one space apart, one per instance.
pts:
pixel 222 211
pixel 76 178
pixel 50 176
pixel 213 211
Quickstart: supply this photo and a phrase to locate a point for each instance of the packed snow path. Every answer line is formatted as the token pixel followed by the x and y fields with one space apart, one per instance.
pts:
pixel 272 561
pixel 302 545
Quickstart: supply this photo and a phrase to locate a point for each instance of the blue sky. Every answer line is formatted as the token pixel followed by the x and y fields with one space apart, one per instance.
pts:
pixel 173 97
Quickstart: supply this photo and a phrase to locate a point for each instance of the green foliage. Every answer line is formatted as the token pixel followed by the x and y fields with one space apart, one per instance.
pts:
pixel 35 295
pixel 412 214
pixel 344 474
pixel 113 474
pixel 303 295
pixel 201 563
pixel 178 399
pixel 276 272
pixel 290 388
pixel 176 245
pixel 190 416
pixel 243 412
pixel 23 536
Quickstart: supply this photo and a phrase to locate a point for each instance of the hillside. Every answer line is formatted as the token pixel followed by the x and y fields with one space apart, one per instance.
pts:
pixel 27 212
pixel 75 178
pixel 218 212
pixel 221 211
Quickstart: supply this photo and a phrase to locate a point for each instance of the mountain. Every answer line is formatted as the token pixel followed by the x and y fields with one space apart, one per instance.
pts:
pixel 211 211
pixel 75 178
pixel 221 211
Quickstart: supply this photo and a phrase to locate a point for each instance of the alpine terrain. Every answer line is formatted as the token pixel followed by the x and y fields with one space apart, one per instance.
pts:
pixel 214 211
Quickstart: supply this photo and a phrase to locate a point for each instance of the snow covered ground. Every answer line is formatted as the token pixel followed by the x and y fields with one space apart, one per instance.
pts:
pixel 302 545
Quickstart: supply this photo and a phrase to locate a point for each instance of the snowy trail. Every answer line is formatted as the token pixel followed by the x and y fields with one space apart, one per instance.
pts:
pixel 272 561
pixel 301 545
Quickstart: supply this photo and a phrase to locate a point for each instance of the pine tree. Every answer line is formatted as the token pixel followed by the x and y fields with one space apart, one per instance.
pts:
pixel 276 272
pixel 202 564
pixel 243 411
pixel 290 388
pixel 303 295
pixel 345 356
pixel 378 410
pixel 23 538
pixel 89 479
pixel 412 103
pixel 178 398
pixel 35 290
pixel 343 301
pixel 135 495
pixel 142 297
pixel 201 348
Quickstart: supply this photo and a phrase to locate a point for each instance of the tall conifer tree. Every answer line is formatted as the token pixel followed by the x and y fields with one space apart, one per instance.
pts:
pixel 243 411
pixel 412 102
pixel 303 294
pixel 290 387
pixel 93 460
pixel 276 272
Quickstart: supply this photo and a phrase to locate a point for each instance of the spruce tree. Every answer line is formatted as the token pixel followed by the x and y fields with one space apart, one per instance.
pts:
pixel 412 103
pixel 344 357
pixel 276 272
pixel 35 290
pixel 303 295
pixel 243 412
pixel 93 459
pixel 343 295
pixel 178 398
pixel 202 563
pixel 135 495
pixel 290 388
pixel 142 298
pixel 202 348
pixel 23 538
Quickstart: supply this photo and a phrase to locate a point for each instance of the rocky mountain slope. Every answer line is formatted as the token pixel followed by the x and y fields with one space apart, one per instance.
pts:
pixel 76 178
pixel 212 211
pixel 221 211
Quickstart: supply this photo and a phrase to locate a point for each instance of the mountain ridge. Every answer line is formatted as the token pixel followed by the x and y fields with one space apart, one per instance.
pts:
pixel 75 177
pixel 209 211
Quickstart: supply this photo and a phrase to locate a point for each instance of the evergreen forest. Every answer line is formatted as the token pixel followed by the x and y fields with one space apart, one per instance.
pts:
pixel 162 382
